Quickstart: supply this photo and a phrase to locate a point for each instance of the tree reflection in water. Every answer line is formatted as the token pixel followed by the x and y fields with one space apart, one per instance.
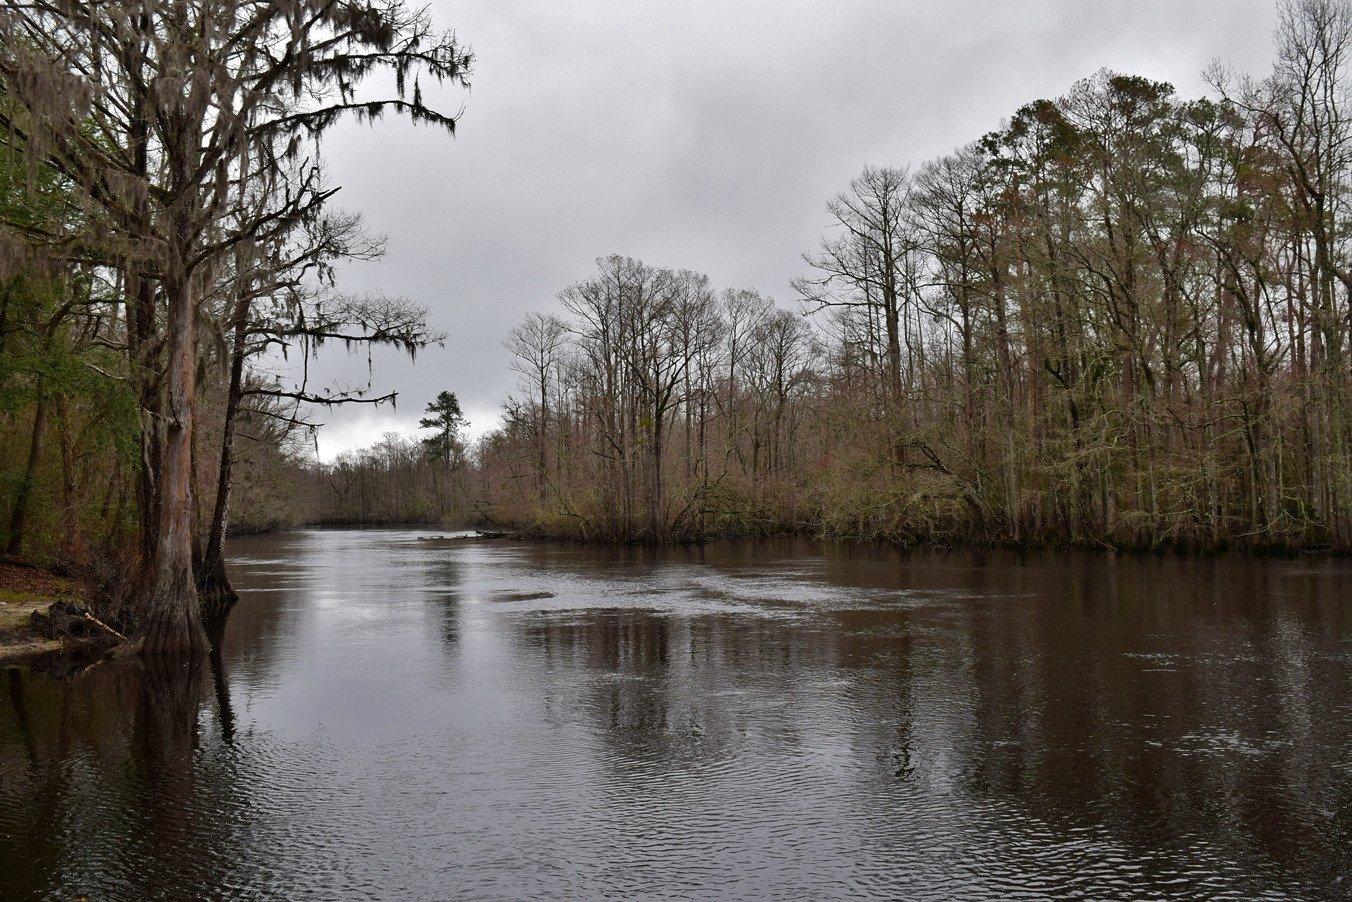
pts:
pixel 110 796
pixel 504 720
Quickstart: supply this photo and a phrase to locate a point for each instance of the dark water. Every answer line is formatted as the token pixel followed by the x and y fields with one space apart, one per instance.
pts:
pixel 401 719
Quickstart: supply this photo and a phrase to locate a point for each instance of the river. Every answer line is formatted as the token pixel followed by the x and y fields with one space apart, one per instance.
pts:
pixel 397 716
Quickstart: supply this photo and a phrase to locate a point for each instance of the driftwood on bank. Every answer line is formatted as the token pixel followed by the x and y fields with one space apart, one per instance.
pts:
pixel 476 534
pixel 69 620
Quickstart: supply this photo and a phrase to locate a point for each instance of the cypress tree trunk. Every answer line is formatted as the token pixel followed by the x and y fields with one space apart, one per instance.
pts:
pixel 168 607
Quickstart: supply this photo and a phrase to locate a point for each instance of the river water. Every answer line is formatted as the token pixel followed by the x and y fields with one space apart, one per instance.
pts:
pixel 401 717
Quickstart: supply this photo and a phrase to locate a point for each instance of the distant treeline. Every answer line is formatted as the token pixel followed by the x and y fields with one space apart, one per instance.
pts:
pixel 1123 318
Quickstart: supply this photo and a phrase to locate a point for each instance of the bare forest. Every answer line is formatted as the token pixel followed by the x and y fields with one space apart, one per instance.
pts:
pixel 1122 319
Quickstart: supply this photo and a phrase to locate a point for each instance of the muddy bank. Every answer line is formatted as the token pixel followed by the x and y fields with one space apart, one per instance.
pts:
pixel 43 613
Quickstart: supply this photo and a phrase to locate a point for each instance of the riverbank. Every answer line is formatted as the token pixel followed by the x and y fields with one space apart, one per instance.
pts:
pixel 907 541
pixel 938 541
pixel 26 591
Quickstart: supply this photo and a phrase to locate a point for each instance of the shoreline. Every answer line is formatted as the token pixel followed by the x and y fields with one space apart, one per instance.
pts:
pixel 1159 549
pixel 26 590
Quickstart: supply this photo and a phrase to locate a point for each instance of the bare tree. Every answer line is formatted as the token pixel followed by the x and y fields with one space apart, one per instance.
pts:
pixel 537 346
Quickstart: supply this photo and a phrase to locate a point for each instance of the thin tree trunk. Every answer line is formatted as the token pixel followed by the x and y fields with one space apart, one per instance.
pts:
pixel 74 534
pixel 19 513
pixel 213 585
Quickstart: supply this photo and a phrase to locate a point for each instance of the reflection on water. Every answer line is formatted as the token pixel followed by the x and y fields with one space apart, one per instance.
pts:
pixel 401 718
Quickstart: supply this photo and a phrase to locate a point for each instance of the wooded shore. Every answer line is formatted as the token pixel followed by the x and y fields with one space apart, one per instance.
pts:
pixel 164 224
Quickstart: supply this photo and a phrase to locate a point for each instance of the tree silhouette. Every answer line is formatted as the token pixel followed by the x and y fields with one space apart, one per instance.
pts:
pixel 445 417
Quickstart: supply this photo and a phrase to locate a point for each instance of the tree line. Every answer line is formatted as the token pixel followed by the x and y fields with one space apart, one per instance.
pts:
pixel 1123 318
pixel 167 231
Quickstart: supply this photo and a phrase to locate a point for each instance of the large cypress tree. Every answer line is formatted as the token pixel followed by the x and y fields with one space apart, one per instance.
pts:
pixel 162 114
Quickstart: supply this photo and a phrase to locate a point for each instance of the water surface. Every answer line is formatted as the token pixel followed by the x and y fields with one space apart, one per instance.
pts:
pixel 399 718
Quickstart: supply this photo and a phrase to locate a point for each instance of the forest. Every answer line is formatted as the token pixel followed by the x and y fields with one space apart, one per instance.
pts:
pixel 1122 319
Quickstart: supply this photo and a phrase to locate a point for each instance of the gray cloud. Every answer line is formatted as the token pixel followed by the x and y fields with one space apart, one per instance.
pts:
pixel 706 135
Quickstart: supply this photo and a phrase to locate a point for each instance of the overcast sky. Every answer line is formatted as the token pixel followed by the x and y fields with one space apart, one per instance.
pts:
pixel 705 135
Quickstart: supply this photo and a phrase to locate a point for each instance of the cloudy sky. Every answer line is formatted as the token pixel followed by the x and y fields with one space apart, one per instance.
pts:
pixel 706 135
